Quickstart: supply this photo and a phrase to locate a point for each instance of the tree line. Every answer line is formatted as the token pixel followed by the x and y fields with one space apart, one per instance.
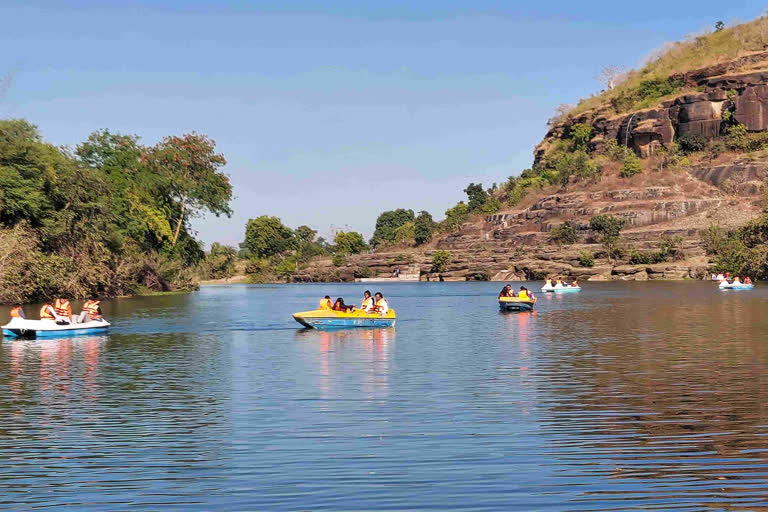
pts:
pixel 110 217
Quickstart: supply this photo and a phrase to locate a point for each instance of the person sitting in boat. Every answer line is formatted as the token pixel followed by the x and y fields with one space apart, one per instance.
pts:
pixel 506 291
pixel 382 306
pixel 523 293
pixel 17 311
pixel 63 310
pixel 548 282
pixel 340 306
pixel 747 280
pixel 367 303
pixel 326 303
pixel 91 311
pixel 47 312
pixel 736 280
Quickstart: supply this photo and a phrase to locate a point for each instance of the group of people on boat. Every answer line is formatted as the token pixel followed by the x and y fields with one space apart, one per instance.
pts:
pixel 369 304
pixel 559 282
pixel 726 278
pixel 60 311
pixel 524 293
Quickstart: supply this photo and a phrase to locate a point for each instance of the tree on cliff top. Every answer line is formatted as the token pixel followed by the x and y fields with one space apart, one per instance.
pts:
pixel 476 196
pixel 350 242
pixel 611 76
pixel 423 228
pixel 387 224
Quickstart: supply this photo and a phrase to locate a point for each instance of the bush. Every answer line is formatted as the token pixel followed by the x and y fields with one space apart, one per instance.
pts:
pixel 363 271
pixel 580 134
pixel 609 228
pixel 739 139
pixel 691 143
pixel 491 206
pixel 563 234
pixel 631 167
pixel 339 259
pixel 715 149
pixel 586 259
pixel 440 261
pixel 616 152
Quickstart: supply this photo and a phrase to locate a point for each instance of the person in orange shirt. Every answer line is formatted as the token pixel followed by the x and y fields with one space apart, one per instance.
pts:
pixel 17 312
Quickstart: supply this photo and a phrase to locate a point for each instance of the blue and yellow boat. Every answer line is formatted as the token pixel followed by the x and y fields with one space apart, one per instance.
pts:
pixel 516 304
pixel 326 318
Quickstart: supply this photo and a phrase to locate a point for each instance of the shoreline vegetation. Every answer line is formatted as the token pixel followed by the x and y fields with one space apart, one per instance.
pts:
pixel 108 218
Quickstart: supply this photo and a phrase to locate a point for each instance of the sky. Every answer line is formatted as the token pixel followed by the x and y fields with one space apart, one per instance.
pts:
pixel 330 112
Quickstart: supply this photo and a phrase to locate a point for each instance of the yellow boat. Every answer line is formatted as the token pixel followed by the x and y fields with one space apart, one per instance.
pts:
pixel 516 304
pixel 356 318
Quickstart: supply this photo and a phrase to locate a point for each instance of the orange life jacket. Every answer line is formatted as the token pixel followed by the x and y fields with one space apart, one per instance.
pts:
pixel 367 303
pixel 16 312
pixel 45 313
pixel 325 304
pixel 62 308
pixel 92 308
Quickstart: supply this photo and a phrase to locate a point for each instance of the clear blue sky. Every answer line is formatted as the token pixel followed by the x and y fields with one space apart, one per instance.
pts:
pixel 330 112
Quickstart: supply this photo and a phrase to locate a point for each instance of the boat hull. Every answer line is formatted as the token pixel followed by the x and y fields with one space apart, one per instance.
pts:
pixel 325 319
pixel 21 328
pixel 565 289
pixel 737 287
pixel 515 304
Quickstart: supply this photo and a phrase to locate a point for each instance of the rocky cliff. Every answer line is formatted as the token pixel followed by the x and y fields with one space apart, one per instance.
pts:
pixel 720 189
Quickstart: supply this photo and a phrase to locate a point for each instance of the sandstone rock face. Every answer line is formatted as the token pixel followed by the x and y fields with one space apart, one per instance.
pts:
pixel 690 114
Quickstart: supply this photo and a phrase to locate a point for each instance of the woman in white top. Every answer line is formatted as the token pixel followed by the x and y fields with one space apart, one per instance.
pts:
pixel 382 306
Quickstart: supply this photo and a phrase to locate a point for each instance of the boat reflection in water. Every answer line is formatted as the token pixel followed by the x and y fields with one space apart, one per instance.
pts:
pixel 368 351
pixel 53 363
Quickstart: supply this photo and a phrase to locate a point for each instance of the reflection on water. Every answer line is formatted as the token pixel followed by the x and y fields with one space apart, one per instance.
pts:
pixel 625 396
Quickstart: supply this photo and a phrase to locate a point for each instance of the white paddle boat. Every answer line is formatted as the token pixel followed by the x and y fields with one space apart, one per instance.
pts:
pixel 23 328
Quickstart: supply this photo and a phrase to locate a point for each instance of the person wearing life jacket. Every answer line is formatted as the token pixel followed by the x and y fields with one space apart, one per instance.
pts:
pixel 17 311
pixel 63 310
pixel 575 283
pixel 325 303
pixel 736 280
pixel 340 306
pixel 747 280
pixel 367 303
pixel 91 311
pixel 382 306
pixel 523 293
pixel 548 282
pixel 505 292
pixel 47 312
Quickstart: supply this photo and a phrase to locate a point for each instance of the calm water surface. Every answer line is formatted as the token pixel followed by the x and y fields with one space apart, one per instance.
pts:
pixel 647 396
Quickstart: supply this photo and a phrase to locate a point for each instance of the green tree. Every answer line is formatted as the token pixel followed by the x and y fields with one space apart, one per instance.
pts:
pixel 405 234
pixel 609 228
pixel 190 167
pixel 563 234
pixel 581 134
pixel 456 216
pixel 440 261
pixel 387 223
pixel 631 166
pixel 476 196
pixel 423 227
pixel 266 236
pixel 350 243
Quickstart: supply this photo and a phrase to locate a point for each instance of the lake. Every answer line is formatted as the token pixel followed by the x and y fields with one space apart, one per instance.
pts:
pixel 649 396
